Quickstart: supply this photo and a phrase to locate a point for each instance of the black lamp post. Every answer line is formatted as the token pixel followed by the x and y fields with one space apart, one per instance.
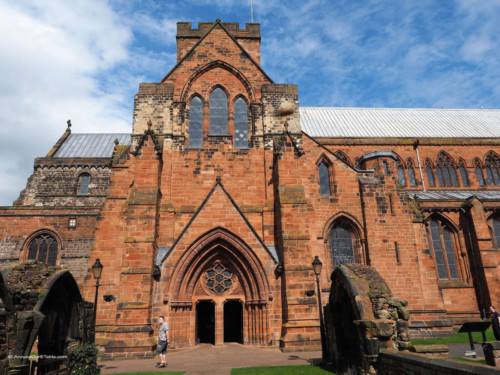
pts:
pixel 317 271
pixel 96 271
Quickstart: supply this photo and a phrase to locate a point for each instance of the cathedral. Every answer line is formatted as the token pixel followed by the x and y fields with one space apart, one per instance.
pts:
pixel 212 210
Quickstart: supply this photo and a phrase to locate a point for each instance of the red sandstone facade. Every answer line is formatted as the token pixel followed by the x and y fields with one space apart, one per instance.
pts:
pixel 219 239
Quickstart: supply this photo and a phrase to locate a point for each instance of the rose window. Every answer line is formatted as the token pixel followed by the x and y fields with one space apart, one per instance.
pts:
pixel 218 279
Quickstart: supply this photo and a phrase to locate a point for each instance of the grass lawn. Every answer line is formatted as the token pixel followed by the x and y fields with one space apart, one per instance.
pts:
pixel 281 370
pixel 480 361
pixel 460 338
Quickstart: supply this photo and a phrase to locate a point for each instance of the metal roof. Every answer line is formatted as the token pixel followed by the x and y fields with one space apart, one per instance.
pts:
pixel 91 145
pixel 397 122
pixel 454 195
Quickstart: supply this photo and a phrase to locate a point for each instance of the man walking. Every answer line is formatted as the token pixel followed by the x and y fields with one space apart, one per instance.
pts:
pixel 495 322
pixel 161 348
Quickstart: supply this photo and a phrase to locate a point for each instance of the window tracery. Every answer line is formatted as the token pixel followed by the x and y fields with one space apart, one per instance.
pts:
pixel 492 164
pixel 219 279
pixel 43 248
pixel 445 170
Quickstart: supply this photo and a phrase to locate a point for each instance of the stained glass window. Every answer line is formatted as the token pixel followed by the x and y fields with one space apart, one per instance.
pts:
pixel 240 124
pixel 341 244
pixel 479 172
pixel 429 172
pixel 463 172
pixel 444 252
pixel 445 170
pixel 492 163
pixel 44 249
pixel 324 179
pixel 195 123
pixel 411 172
pixel 218 112
pixel 401 173
pixel 218 279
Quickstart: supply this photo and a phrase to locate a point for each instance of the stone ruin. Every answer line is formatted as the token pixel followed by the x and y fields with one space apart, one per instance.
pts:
pixel 363 317
pixel 39 303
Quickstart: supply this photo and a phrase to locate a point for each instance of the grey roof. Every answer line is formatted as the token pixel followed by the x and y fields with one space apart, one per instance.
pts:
pixel 454 195
pixel 397 122
pixel 91 145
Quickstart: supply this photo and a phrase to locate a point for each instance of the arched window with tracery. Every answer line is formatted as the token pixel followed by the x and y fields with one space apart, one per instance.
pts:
pixel 240 124
pixel 429 172
pixel 195 123
pixel 345 245
pixel 445 170
pixel 324 178
pixel 411 172
pixel 83 183
pixel 478 166
pixel 43 248
pixel 492 164
pixel 218 112
pixel 342 156
pixel 443 241
pixel 462 167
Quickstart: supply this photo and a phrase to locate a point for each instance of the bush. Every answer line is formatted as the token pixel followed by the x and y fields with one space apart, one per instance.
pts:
pixel 83 360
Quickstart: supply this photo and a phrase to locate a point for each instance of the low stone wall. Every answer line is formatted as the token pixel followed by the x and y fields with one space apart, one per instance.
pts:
pixel 392 362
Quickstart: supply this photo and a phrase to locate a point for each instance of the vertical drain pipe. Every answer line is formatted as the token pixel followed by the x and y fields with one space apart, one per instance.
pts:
pixel 415 146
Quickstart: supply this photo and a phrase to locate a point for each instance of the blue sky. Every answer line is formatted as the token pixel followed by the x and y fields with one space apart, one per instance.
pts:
pixel 83 60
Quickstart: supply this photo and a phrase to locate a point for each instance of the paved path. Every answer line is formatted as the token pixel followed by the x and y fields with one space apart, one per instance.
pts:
pixel 209 359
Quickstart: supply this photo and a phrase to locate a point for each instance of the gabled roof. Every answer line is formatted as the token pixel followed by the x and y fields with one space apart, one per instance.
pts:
pixel 91 145
pixel 398 122
pixel 216 23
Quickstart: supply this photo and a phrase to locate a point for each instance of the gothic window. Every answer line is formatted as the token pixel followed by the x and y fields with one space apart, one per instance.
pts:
pixel 445 170
pixel 83 185
pixel 386 170
pixel 411 172
pixel 344 244
pixel 218 112
pixel 324 178
pixel 429 172
pixel 492 164
pixel 443 246
pixel 463 172
pixel 196 123
pixel 494 226
pixel 479 171
pixel 240 124
pixel 342 156
pixel 401 173
pixel 43 248
pixel 218 279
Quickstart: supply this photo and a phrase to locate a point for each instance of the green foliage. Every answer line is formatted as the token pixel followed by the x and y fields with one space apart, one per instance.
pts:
pixel 83 360
pixel 479 361
pixel 281 370
pixel 460 338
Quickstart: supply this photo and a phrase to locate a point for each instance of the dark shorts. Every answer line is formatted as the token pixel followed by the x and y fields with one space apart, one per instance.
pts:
pixel 161 348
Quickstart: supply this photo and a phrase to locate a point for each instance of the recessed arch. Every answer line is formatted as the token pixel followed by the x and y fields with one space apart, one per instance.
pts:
pixel 30 248
pixel 222 65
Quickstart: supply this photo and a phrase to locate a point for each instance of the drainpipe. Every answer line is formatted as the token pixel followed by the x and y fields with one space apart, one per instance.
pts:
pixel 415 146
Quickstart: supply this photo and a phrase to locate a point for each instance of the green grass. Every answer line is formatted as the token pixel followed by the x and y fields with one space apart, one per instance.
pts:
pixel 460 338
pixel 281 370
pixel 480 361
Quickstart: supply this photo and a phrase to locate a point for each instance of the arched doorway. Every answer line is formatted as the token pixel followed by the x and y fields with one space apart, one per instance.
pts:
pixel 219 276
pixel 205 322
pixel 233 322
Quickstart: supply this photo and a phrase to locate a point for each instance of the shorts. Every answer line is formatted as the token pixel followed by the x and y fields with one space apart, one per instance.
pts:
pixel 161 348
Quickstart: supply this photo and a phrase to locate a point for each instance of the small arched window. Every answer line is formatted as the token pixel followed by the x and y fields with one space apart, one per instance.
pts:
pixel 492 163
pixel 324 178
pixel 411 172
pixel 196 123
pixel 342 156
pixel 445 170
pixel 401 173
pixel 463 172
pixel 478 166
pixel 240 124
pixel 344 244
pixel 494 226
pixel 43 248
pixel 218 112
pixel 429 172
pixel 443 246
pixel 83 183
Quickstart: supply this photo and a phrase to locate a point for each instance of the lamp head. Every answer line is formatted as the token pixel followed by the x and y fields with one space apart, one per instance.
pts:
pixel 317 266
pixel 97 269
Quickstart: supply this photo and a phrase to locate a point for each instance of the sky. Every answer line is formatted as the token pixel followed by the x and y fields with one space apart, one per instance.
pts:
pixel 84 59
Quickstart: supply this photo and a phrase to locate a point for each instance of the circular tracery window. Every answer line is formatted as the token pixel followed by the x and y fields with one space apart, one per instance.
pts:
pixel 218 279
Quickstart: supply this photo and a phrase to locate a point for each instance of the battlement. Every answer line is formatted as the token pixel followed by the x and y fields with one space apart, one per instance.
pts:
pixel 248 38
pixel 185 29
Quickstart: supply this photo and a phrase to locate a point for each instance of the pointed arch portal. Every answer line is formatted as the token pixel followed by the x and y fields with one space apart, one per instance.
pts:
pixel 219 273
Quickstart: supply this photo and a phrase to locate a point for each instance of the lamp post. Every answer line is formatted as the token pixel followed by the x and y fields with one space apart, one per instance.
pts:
pixel 96 271
pixel 317 271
